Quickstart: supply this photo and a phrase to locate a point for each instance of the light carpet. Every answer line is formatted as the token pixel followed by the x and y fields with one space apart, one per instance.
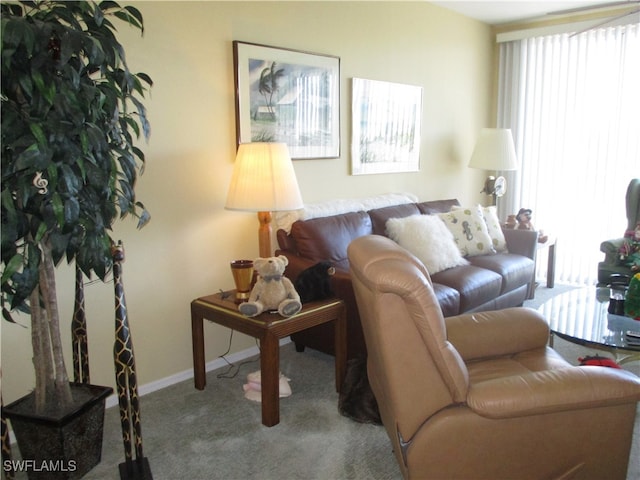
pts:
pixel 218 434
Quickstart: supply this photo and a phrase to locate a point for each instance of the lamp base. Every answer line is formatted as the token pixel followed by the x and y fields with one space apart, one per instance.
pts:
pixel 264 234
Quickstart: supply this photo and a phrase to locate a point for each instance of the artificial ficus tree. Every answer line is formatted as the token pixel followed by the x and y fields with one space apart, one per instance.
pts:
pixel 71 113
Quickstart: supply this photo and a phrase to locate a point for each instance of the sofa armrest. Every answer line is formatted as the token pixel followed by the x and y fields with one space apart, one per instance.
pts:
pixel 522 242
pixel 495 333
pixel 297 264
pixel 552 391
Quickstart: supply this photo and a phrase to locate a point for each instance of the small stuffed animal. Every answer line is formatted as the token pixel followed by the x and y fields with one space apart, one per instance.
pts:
pixel 524 219
pixel 314 283
pixel 272 291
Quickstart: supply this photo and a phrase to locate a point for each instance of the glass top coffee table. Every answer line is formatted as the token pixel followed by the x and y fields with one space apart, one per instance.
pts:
pixel 580 316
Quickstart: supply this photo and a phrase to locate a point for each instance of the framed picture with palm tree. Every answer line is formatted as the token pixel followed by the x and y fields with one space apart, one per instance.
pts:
pixel 288 96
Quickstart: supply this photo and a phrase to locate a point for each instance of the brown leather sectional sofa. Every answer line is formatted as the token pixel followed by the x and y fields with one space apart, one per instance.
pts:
pixel 489 282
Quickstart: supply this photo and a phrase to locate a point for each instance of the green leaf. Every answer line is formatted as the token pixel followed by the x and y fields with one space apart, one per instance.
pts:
pixel 8 204
pixel 26 84
pixel 12 32
pixel 52 176
pixel 84 141
pixel 42 230
pixel 30 159
pixel 131 20
pixel 71 210
pixel 12 267
pixel 130 122
pixel 144 217
pixel 108 5
pixel 135 13
pixel 47 91
pixel 98 16
pixel 7 315
pixel 128 167
pixel 138 153
pixel 59 245
pixel 142 113
pixel 38 133
pixel 145 77
pixel 58 208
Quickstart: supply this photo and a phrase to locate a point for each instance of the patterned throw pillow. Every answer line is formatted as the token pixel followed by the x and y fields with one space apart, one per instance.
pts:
pixel 495 230
pixel 469 230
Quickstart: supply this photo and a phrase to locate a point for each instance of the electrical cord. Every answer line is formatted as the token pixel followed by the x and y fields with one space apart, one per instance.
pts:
pixel 233 369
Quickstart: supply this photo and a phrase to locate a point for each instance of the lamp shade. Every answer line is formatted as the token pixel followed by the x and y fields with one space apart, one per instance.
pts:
pixel 494 150
pixel 263 179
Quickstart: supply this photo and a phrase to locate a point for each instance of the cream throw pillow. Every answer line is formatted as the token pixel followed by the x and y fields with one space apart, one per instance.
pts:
pixel 495 230
pixel 469 230
pixel 427 238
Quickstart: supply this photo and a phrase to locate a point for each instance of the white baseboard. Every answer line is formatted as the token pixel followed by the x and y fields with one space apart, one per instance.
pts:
pixel 112 400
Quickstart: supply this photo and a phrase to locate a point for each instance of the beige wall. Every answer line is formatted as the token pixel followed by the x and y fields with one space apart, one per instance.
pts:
pixel 184 252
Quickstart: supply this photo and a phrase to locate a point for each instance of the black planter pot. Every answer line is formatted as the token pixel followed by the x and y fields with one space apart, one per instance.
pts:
pixel 64 446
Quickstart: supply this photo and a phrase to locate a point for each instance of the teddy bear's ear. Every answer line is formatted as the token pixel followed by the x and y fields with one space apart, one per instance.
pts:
pixel 258 263
pixel 283 259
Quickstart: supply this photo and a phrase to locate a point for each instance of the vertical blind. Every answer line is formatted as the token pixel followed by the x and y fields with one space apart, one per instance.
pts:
pixel 573 104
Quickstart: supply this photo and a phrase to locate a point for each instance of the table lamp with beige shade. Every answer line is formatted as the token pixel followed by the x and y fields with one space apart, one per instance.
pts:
pixel 263 181
pixel 494 150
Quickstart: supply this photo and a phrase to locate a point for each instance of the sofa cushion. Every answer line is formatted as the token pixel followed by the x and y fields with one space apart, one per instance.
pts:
pixel 427 237
pixel 437 206
pixel 327 238
pixel 494 228
pixel 469 230
pixel 515 270
pixel 448 298
pixel 379 216
pixel 475 285
pixel 492 222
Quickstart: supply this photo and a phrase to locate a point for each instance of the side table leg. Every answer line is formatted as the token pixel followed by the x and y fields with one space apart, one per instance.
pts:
pixel 270 373
pixel 340 347
pixel 197 341
pixel 551 266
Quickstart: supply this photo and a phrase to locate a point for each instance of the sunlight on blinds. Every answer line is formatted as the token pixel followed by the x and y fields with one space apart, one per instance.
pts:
pixel 573 104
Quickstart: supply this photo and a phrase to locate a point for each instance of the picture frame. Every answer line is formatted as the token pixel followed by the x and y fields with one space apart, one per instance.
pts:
pixel 290 96
pixel 386 127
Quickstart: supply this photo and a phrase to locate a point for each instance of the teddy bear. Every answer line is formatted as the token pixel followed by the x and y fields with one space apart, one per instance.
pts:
pixel 524 219
pixel 272 291
pixel 524 223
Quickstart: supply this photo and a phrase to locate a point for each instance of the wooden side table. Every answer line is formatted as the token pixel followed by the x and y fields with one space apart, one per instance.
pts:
pixel 551 259
pixel 268 328
pixel 550 244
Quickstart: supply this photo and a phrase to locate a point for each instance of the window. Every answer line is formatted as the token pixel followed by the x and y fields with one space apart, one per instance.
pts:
pixel 573 104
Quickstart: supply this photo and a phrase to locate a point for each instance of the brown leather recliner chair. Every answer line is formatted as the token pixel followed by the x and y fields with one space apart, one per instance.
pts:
pixel 481 396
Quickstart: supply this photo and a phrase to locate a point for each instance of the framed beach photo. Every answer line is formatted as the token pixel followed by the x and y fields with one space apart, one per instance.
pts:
pixel 386 127
pixel 288 96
